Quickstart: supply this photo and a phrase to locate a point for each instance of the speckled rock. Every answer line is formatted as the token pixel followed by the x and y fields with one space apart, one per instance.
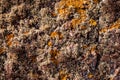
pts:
pixel 59 40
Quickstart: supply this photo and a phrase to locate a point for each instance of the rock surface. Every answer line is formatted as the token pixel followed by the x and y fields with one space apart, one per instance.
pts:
pixel 60 40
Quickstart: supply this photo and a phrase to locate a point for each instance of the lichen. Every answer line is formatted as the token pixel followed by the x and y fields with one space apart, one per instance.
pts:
pixel 56 35
pixel 2 50
pixel 54 56
pixel 115 25
pixel 92 22
pixel 64 7
pixel 63 75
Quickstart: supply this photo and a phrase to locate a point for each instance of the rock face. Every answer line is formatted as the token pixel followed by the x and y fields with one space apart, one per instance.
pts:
pixel 59 40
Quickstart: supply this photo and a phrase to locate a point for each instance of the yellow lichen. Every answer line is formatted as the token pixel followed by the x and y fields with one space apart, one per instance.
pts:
pixel 93 22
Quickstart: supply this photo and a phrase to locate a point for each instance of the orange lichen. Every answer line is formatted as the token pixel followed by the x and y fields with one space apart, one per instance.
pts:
pixel 96 1
pixel 49 43
pixel 53 14
pixel 63 75
pixel 9 43
pixel 54 60
pixel 84 46
pixel 115 25
pixel 60 35
pixel 9 39
pixel 64 9
pixel 2 50
pixel 93 48
pixel 63 12
pixel 75 22
pixel 26 33
pixel 83 27
pixel 90 75
pixel 54 54
pixel 92 22
pixel 56 34
pixel 10 36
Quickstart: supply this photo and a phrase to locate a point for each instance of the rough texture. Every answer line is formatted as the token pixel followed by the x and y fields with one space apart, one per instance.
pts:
pixel 59 40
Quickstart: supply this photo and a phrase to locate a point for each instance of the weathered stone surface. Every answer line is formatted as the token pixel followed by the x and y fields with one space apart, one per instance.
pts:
pixel 59 40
